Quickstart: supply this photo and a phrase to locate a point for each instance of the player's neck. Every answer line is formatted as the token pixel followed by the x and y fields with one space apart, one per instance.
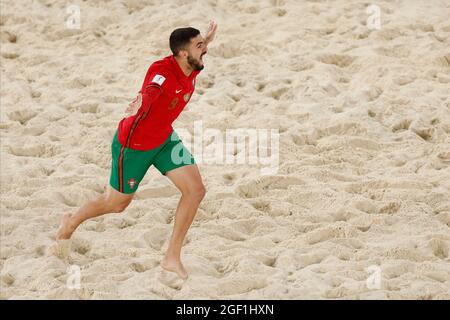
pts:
pixel 187 69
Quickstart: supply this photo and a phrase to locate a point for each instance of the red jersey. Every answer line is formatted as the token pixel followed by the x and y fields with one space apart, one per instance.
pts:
pixel 152 125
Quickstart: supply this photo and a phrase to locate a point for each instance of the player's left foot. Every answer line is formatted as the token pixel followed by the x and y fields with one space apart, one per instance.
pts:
pixel 174 265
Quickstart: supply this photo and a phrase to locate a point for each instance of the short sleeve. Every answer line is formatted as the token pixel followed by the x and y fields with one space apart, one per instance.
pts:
pixel 156 77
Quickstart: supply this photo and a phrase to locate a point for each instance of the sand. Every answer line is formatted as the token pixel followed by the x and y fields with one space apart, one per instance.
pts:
pixel 358 209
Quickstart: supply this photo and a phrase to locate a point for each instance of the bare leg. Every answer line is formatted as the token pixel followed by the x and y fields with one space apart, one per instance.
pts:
pixel 188 180
pixel 112 201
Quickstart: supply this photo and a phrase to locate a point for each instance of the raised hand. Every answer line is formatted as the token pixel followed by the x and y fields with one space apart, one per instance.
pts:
pixel 134 106
pixel 211 31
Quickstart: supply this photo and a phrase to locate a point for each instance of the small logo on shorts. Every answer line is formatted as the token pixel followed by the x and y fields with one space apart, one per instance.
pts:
pixel 186 97
pixel 131 183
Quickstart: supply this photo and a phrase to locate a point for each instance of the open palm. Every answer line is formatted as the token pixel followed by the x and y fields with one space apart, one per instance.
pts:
pixel 211 31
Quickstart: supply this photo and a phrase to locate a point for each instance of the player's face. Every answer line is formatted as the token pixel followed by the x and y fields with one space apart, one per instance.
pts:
pixel 197 49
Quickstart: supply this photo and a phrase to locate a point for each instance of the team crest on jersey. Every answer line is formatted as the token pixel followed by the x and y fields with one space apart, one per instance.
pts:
pixel 173 104
pixel 186 97
pixel 132 183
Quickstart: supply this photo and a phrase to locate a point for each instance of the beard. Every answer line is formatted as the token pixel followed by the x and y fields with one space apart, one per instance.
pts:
pixel 194 63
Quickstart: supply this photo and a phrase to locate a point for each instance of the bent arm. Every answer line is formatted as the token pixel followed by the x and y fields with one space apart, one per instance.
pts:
pixel 149 95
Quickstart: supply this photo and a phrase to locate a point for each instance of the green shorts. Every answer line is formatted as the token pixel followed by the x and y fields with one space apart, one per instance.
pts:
pixel 129 166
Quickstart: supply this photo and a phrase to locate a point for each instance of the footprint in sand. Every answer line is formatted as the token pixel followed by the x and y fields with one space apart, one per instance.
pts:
pixel 338 60
pixel 142 266
pixel 390 208
pixel 229 178
pixel 262 205
pixel 439 248
pixel 426 133
pixel 8 36
pixel 10 55
pixel 36 150
pixel 239 284
pixel 81 246
pixel 161 192
pixel 401 125
pixel 207 82
pixel 7 279
pixel 156 237
pixel 34 130
pixel 261 186
pixel 338 230
pixel 23 115
pixel 60 249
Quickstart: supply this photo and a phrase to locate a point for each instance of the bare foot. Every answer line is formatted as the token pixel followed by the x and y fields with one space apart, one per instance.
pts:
pixel 65 229
pixel 60 249
pixel 176 266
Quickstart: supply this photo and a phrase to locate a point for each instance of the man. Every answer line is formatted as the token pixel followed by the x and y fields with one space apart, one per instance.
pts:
pixel 146 138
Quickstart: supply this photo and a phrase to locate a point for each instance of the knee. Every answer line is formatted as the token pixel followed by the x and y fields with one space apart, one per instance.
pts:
pixel 115 207
pixel 118 208
pixel 196 193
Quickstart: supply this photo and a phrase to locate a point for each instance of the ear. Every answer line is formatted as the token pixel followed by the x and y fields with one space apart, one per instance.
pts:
pixel 183 53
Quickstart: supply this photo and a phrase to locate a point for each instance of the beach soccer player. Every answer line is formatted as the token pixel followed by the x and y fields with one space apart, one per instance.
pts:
pixel 145 137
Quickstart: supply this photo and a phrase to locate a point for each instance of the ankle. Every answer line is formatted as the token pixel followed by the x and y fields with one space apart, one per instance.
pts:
pixel 72 224
pixel 172 256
